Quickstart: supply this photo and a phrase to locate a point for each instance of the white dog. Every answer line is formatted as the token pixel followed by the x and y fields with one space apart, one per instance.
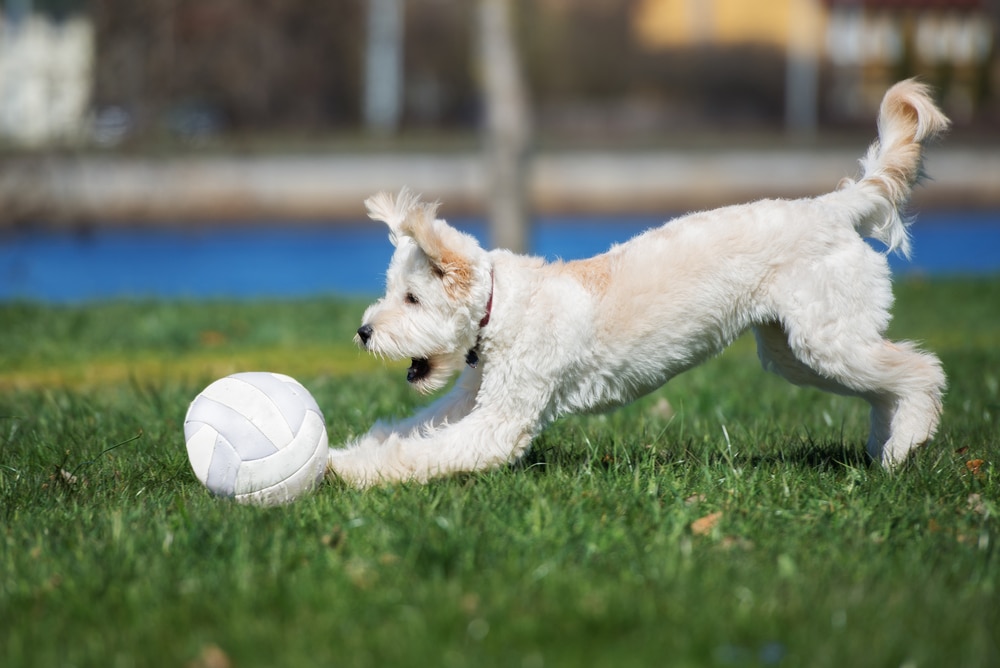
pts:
pixel 536 340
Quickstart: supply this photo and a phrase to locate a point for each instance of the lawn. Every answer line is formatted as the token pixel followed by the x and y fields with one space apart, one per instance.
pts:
pixel 728 519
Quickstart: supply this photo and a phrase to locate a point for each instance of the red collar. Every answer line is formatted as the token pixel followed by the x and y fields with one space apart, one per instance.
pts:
pixel 489 305
pixel 472 357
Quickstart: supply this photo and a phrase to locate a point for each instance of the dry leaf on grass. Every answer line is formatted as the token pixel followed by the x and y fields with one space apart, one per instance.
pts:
pixel 704 525
pixel 211 656
pixel 975 466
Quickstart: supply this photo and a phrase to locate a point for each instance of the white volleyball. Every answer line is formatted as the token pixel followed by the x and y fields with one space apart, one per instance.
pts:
pixel 258 437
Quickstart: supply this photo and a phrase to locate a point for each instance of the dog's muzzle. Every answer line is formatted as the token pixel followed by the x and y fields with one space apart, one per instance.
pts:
pixel 420 367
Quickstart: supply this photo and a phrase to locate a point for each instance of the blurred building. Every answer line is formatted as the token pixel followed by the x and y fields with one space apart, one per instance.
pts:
pixel 196 69
pixel 46 78
pixel 683 23
pixel 859 46
pixel 951 43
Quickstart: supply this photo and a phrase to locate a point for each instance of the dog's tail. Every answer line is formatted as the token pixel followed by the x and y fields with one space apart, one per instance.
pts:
pixel 907 118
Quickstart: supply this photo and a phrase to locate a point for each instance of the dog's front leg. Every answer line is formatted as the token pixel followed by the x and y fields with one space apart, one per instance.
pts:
pixel 485 439
pixel 450 408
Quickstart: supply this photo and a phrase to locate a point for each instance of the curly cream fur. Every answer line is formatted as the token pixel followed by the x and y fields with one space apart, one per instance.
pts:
pixel 553 339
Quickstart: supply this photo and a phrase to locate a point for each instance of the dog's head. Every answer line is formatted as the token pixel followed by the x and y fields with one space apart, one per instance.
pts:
pixel 438 288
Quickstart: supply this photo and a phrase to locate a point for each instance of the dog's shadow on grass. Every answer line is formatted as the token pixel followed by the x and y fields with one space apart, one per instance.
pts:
pixel 832 455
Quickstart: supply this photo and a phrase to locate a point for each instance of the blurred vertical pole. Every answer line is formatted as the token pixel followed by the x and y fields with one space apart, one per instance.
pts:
pixel 15 15
pixel 701 20
pixel 17 11
pixel 507 127
pixel 384 66
pixel 802 67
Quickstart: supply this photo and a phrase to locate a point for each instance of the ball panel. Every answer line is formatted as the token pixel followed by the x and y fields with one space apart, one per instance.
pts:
pixel 299 390
pixel 321 455
pixel 254 403
pixel 275 495
pixel 237 428
pixel 287 394
pixel 302 481
pixel 224 469
pixel 200 445
pixel 288 461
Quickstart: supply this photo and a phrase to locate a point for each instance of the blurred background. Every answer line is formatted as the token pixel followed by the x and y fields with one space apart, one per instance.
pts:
pixel 223 135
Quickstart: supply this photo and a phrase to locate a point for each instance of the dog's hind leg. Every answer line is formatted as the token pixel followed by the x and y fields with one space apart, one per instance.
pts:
pixel 907 408
pixel 903 384
pixel 777 357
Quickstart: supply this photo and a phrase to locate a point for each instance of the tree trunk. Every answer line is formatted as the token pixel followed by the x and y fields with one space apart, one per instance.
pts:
pixel 507 127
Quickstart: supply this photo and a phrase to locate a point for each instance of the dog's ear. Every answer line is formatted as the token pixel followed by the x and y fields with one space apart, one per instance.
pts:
pixel 420 225
pixel 445 247
pixel 392 210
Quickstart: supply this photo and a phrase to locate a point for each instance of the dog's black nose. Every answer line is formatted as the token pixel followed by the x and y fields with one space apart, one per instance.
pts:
pixel 365 333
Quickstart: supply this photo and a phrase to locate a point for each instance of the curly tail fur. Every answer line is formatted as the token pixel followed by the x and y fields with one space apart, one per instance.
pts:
pixel 907 118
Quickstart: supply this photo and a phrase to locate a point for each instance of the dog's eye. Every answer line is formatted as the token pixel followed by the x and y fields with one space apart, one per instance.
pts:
pixel 411 298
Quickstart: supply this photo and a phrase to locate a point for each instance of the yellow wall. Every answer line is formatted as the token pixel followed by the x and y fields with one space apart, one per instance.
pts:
pixel 678 23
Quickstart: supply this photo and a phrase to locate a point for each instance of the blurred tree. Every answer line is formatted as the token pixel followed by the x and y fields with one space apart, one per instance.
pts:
pixel 274 64
pixel 508 126
pixel 58 9
pixel 296 64
pixel 384 65
pixel 257 63
pixel 440 64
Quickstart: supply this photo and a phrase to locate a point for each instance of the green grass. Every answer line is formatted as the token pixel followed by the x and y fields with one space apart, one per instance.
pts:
pixel 727 520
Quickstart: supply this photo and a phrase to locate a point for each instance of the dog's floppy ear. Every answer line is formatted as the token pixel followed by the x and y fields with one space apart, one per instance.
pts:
pixel 445 247
pixel 419 224
pixel 392 210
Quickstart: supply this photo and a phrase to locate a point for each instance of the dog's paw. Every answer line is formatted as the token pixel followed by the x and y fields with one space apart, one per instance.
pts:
pixel 353 465
pixel 369 460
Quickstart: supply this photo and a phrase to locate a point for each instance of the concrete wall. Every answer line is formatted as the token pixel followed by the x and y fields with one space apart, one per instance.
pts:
pixel 136 191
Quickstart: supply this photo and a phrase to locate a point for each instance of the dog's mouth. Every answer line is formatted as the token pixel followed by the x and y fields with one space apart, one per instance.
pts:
pixel 429 374
pixel 420 369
